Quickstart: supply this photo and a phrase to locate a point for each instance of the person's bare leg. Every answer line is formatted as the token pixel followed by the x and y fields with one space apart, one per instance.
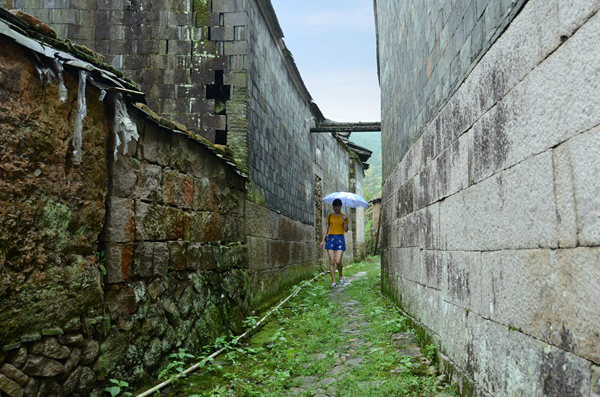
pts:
pixel 338 261
pixel 332 264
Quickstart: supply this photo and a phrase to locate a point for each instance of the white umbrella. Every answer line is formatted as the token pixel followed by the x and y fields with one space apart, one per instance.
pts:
pixel 348 199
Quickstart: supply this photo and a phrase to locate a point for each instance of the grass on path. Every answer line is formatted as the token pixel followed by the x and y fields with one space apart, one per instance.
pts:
pixel 305 339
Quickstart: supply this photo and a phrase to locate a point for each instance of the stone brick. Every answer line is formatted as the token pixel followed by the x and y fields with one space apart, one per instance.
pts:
pixel 123 176
pixel 223 6
pixel 236 47
pixel 585 167
pixel 405 199
pixel 202 227
pixel 120 225
pixel 148 184
pixel 177 255
pixel 143 259
pixel 187 156
pixel 173 223
pixel 81 32
pixel 462 285
pixel 10 388
pixel 194 256
pixel 212 121
pixel 148 221
pixel 178 189
pixel 207 195
pixel 42 366
pixel 161 259
pixel 121 302
pixel 13 373
pixel 156 146
pixel 565 197
pixel 514 209
pixel 516 287
pixel 236 19
pixel 60 16
pixel 119 259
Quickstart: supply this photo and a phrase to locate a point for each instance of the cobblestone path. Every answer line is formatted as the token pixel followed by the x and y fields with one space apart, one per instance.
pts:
pixel 345 341
pixel 356 347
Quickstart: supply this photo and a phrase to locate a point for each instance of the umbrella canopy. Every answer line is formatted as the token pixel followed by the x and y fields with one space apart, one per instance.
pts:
pixel 348 199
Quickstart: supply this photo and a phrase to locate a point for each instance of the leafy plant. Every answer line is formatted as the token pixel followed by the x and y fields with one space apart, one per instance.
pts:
pixel 430 352
pixel 119 387
pixel 174 370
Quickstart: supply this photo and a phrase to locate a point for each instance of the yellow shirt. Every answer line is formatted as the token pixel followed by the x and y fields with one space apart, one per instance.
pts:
pixel 336 225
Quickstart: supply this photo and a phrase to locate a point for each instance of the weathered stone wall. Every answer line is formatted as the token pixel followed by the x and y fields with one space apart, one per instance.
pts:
pixel 174 237
pixel 51 213
pixel 281 252
pixel 110 264
pixel 164 46
pixel 51 209
pixel 425 50
pixel 280 152
pixel 490 220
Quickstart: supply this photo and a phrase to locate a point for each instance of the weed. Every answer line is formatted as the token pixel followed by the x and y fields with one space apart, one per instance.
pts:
pixel 118 388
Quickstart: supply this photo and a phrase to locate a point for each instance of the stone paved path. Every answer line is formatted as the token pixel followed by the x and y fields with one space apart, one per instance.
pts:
pixel 347 355
pixel 350 354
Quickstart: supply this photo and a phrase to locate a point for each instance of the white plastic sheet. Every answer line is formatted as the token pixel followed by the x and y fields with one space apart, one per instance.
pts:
pixel 62 90
pixel 81 113
pixel 124 128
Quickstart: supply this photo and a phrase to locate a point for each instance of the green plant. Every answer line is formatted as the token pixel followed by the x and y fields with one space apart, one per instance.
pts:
pixel 430 352
pixel 119 387
pixel 102 260
pixel 174 370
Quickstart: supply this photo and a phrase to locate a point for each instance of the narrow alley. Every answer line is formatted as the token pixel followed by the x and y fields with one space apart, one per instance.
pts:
pixel 345 341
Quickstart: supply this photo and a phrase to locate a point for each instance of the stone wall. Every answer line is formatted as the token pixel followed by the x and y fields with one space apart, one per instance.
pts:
pixel 110 264
pixel 51 213
pixel 164 46
pixel 281 252
pixel 425 51
pixel 490 220
pixel 175 244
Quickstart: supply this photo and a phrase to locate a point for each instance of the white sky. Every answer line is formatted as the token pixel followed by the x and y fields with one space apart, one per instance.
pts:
pixel 333 44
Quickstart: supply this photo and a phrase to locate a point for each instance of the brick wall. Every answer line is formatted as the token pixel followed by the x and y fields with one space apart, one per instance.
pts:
pixel 490 226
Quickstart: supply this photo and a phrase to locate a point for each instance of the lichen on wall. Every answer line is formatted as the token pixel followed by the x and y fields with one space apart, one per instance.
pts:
pixel 51 209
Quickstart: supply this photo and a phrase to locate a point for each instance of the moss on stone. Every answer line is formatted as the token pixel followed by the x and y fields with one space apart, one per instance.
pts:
pixel 202 10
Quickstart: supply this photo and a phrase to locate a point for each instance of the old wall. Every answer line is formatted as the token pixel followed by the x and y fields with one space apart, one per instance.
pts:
pixel 490 226
pixel 110 264
pixel 175 244
pixel 163 46
pixel 220 69
pixel 51 209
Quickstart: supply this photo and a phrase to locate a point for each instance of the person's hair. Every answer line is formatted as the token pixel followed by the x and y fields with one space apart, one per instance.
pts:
pixel 337 202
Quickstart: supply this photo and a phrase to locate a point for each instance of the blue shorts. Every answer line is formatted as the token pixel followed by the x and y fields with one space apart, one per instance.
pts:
pixel 335 242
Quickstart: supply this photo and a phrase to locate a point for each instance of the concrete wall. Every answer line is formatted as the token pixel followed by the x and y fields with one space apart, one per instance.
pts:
pixel 490 219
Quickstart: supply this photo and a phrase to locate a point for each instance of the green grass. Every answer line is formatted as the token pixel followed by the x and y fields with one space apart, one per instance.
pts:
pixel 308 324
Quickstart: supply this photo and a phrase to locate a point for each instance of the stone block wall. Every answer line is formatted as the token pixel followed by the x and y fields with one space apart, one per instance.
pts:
pixel 490 226
pixel 425 51
pixel 109 265
pixel 281 252
pixel 280 119
pixel 164 46
pixel 175 244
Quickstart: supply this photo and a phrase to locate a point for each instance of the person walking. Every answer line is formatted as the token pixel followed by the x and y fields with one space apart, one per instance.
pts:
pixel 337 226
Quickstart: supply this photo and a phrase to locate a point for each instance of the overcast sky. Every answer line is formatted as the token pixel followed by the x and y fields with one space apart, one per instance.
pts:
pixel 333 44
